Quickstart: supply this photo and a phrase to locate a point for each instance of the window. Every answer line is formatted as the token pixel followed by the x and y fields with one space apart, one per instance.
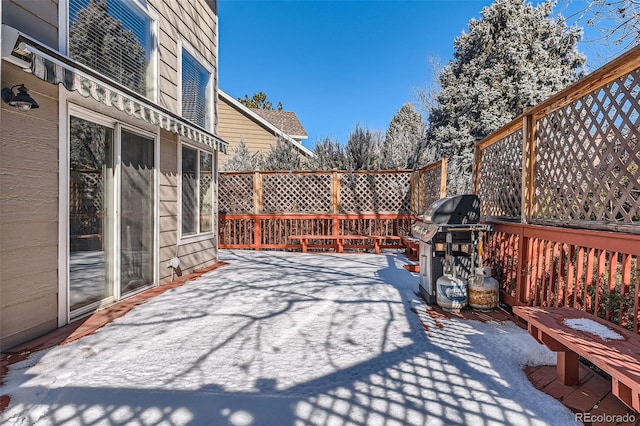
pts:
pixel 197 191
pixel 196 91
pixel 116 38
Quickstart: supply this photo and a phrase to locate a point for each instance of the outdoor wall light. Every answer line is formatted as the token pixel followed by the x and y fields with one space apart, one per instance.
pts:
pixel 21 100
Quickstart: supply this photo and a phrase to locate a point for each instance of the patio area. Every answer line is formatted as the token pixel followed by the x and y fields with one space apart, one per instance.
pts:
pixel 288 339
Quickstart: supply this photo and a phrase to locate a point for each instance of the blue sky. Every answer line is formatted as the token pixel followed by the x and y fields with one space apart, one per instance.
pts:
pixel 339 63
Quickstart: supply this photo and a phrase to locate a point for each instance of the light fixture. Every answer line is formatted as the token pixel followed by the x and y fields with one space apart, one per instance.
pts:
pixel 22 101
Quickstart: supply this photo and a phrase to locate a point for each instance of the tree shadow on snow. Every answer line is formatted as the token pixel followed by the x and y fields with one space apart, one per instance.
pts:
pixel 404 377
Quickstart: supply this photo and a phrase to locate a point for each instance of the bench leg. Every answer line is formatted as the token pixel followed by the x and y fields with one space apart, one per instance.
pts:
pixel 625 394
pixel 568 368
pixel 340 242
pixel 376 245
pixel 304 245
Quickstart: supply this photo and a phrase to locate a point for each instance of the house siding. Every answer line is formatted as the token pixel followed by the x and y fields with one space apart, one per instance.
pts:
pixel 192 255
pixel 197 26
pixel 234 126
pixel 38 18
pixel 29 166
pixel 28 213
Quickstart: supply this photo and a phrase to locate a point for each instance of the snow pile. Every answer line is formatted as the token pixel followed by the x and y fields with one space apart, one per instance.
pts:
pixel 288 339
pixel 593 327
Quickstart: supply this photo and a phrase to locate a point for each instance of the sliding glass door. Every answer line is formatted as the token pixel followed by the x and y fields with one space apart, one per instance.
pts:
pixel 137 212
pixel 91 207
pixel 111 213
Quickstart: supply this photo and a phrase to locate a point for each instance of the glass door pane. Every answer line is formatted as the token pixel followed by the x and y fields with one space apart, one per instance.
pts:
pixel 206 191
pixel 91 180
pixel 137 212
pixel 189 190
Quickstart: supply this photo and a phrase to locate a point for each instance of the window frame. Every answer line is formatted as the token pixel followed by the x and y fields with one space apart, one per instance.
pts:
pixel 198 235
pixel 145 8
pixel 117 124
pixel 184 45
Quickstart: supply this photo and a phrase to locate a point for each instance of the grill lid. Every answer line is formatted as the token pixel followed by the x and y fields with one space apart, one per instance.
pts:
pixel 424 231
pixel 456 210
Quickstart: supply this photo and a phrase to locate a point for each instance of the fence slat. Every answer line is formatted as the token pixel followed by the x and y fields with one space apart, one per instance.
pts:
pixel 594 279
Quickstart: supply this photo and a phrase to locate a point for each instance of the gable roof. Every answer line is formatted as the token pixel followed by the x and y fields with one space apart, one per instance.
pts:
pixel 287 121
pixel 276 131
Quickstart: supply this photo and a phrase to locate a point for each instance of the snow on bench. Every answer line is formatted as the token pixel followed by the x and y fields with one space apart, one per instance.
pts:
pixel 573 333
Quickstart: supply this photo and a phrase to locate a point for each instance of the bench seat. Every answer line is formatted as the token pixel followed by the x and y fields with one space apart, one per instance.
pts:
pixel 618 358
pixel 340 245
pixel 413 247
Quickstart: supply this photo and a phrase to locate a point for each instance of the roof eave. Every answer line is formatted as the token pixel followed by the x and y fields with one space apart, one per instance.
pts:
pixel 264 122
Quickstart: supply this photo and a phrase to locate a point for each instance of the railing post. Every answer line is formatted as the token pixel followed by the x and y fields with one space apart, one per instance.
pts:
pixel 257 209
pixel 257 193
pixel 257 232
pixel 529 154
pixel 415 192
pixel 477 167
pixel 443 177
pixel 522 290
pixel 335 192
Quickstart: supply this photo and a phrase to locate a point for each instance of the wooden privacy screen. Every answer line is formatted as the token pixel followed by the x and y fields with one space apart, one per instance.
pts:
pixel 573 159
pixel 500 184
pixel 303 192
pixel 266 210
pixel 571 162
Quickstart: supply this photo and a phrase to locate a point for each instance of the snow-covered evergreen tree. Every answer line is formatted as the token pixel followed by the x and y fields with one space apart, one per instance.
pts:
pixel 329 155
pixel 363 149
pixel 242 160
pixel 404 140
pixel 282 156
pixel 515 56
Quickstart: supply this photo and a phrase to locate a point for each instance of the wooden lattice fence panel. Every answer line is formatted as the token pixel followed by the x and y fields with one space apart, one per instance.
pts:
pixel 87 193
pixel 501 177
pixel 236 193
pixel 588 157
pixel 429 187
pixel 375 192
pixel 295 192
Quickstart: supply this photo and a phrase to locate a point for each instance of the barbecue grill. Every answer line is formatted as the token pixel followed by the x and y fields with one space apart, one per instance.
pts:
pixel 449 229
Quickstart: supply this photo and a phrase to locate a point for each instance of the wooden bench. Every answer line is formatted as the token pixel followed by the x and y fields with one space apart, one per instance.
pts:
pixel 413 247
pixel 618 358
pixel 340 245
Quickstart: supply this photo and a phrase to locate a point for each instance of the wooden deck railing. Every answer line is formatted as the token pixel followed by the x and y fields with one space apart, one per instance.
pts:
pixel 594 271
pixel 275 231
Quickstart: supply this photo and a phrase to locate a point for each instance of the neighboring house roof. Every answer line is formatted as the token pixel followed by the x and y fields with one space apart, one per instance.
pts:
pixel 251 113
pixel 287 121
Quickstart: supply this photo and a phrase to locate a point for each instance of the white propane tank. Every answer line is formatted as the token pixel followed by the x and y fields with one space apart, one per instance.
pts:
pixel 483 290
pixel 451 293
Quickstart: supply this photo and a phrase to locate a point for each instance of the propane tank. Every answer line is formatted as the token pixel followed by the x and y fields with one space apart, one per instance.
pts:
pixel 483 290
pixel 452 293
pixel 451 290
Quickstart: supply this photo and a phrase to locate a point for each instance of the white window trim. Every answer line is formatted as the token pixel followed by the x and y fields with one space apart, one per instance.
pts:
pixel 211 114
pixel 144 7
pixel 63 208
pixel 198 236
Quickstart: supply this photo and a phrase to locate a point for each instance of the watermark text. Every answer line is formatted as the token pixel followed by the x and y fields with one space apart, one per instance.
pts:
pixel 606 418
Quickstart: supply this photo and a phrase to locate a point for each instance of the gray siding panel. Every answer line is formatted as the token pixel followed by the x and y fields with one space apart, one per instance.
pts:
pixel 28 213
pixel 36 18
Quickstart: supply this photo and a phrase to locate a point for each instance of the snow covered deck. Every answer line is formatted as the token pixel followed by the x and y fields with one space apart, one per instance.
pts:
pixel 288 339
